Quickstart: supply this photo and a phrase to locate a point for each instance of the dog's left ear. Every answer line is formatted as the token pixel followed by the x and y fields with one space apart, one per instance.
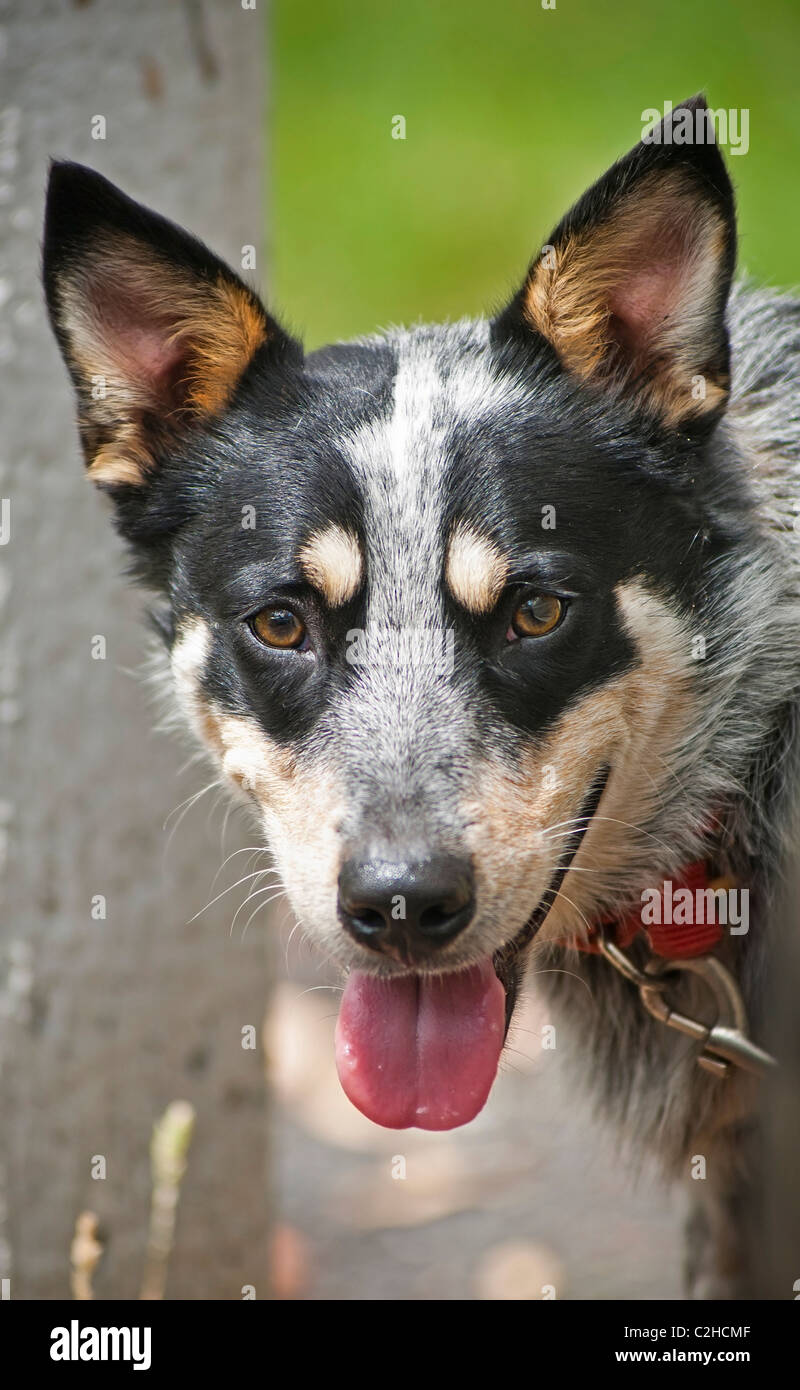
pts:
pixel 632 287
pixel 156 330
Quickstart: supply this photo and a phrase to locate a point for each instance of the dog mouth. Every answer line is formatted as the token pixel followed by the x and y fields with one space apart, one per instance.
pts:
pixel 423 1050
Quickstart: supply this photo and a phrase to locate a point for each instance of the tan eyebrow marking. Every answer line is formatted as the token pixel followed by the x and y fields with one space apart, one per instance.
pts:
pixel 333 563
pixel 476 569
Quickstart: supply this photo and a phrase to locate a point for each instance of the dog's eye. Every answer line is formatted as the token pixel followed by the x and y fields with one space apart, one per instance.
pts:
pixel 278 627
pixel 537 615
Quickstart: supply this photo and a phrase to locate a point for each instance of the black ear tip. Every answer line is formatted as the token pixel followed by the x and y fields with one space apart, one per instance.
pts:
pixel 74 195
pixel 58 177
pixel 78 201
pixel 67 187
pixel 698 102
pixel 68 179
pixel 63 171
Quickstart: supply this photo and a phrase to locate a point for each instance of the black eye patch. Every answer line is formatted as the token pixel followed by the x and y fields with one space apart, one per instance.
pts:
pixel 530 683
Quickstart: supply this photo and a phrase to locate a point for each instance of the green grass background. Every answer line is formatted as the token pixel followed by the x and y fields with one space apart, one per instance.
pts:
pixel 511 111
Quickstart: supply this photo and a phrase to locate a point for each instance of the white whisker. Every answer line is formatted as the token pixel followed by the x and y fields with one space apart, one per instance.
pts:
pixel 556 970
pixel 257 873
pixel 277 893
pixel 246 849
pixel 253 892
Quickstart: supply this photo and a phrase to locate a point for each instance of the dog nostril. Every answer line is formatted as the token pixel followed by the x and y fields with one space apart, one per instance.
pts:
pixel 406 908
pixel 368 921
pixel 434 919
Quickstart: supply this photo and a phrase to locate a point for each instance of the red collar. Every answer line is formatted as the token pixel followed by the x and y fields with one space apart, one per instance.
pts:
pixel 675 940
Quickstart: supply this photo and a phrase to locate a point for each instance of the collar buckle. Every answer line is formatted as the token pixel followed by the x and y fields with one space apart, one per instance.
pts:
pixel 722 1043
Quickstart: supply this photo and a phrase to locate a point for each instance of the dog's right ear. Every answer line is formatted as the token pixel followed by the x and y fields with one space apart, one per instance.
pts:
pixel 630 290
pixel 156 331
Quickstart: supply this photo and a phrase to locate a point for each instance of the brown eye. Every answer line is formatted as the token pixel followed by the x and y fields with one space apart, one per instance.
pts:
pixel 278 627
pixel 537 615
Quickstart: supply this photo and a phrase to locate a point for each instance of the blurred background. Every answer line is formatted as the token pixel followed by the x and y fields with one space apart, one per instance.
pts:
pixel 132 964
pixel 511 111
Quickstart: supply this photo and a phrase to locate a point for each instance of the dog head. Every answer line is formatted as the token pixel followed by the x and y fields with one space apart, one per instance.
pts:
pixel 431 595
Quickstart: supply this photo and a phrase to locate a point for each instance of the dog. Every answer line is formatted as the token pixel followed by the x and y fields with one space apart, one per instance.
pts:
pixel 495 624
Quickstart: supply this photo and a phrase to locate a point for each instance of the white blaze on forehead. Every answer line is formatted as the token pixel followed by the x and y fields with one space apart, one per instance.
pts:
pixel 445 382
pixel 405 714
pixel 333 563
pixel 476 569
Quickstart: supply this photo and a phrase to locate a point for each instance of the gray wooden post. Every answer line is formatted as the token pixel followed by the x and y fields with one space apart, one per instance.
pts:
pixel 105 1020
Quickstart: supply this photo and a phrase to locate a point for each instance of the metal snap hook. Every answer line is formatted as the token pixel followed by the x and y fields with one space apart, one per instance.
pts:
pixel 724 1042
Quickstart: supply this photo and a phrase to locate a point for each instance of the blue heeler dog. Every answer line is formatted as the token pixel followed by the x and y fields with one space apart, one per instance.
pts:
pixel 495 624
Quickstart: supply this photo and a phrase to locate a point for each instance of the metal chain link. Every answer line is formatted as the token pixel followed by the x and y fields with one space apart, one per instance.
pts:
pixel 724 1042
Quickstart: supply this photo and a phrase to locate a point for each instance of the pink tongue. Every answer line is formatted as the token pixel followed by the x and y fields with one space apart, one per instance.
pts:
pixel 421 1049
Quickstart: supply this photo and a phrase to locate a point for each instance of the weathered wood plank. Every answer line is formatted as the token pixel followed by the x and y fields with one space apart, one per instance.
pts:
pixel 104 1022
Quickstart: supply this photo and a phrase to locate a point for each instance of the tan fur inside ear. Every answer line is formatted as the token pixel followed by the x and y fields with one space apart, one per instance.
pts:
pixel 223 328
pixel 150 341
pixel 125 460
pixel 628 300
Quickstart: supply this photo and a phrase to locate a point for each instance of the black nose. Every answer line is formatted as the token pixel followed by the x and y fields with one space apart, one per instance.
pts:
pixel 406 909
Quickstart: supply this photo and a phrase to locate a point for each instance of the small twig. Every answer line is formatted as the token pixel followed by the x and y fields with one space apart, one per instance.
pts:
pixel 84 1254
pixel 172 1135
